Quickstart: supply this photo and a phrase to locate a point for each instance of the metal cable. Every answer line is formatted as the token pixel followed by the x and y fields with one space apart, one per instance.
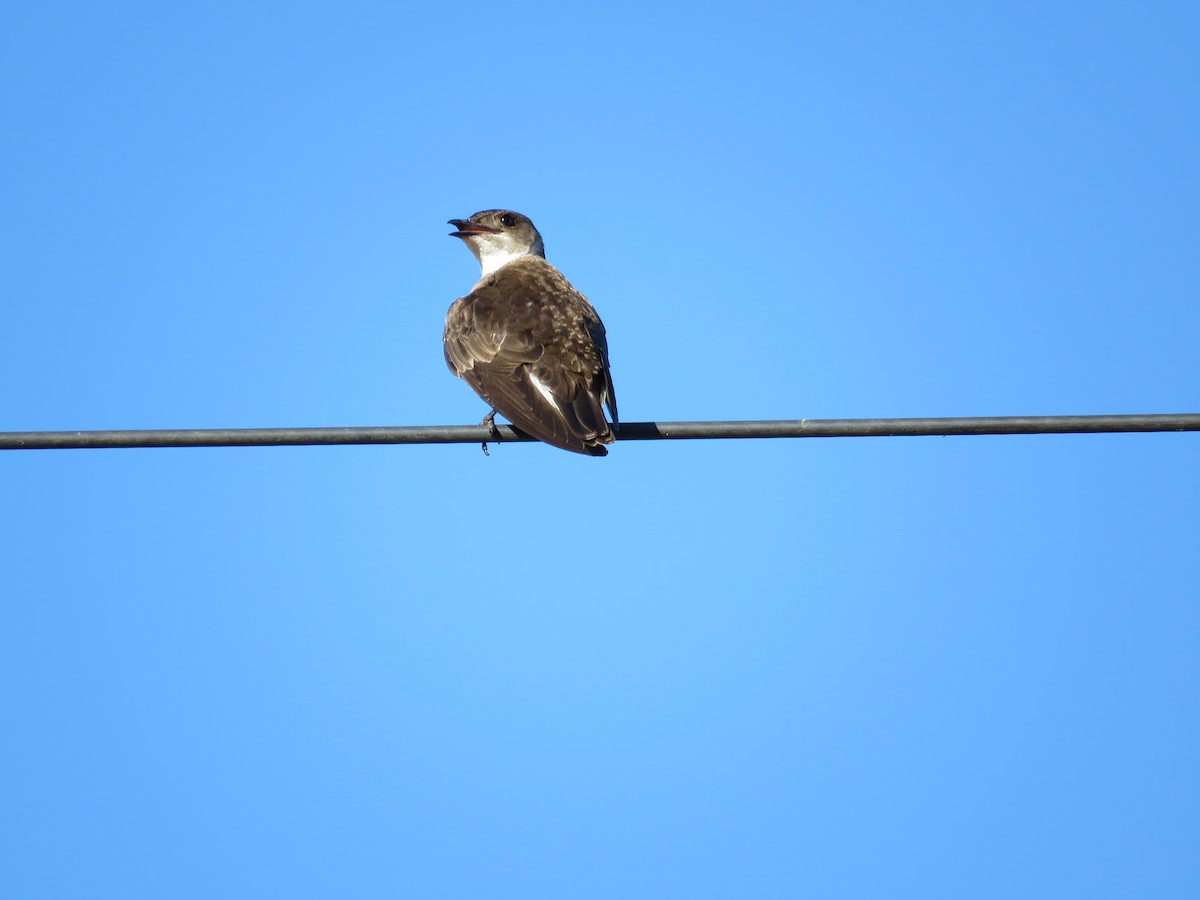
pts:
pixel 631 431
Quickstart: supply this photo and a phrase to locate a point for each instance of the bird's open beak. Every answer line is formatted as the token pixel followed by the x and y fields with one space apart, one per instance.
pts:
pixel 467 228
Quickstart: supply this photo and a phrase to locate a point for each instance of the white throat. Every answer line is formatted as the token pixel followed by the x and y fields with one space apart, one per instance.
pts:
pixel 497 250
pixel 492 258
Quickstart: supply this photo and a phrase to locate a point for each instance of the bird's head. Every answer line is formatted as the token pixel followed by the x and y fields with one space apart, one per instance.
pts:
pixel 498 236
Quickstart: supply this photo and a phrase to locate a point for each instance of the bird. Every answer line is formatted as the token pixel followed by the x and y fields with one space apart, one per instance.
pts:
pixel 527 341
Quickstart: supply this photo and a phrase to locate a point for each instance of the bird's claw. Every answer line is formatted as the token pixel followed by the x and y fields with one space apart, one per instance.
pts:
pixel 490 421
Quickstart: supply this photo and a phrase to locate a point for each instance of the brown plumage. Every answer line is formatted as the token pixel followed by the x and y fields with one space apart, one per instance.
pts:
pixel 527 342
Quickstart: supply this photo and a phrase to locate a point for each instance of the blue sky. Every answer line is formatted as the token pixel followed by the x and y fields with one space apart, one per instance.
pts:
pixel 841 668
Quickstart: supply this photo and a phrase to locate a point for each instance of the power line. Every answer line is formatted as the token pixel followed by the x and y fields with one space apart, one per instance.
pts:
pixel 631 431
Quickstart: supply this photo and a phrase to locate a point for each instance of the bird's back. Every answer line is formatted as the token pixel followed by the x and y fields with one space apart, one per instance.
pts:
pixel 534 348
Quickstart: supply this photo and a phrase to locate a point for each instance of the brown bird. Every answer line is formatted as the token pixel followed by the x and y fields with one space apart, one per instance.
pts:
pixel 527 342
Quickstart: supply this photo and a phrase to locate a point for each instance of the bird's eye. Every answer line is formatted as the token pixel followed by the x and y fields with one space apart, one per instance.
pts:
pixel 508 220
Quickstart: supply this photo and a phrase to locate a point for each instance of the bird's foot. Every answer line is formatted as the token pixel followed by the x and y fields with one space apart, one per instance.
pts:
pixel 490 421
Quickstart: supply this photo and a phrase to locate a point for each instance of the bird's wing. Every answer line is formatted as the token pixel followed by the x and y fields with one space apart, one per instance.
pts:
pixel 596 329
pixel 524 340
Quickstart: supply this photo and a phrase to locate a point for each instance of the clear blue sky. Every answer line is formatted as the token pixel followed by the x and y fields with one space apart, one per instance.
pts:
pixel 960 667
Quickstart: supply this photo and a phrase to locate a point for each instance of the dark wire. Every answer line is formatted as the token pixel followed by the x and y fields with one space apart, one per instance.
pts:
pixel 631 431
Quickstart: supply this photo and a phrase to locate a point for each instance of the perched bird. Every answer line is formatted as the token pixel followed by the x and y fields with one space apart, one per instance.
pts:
pixel 527 342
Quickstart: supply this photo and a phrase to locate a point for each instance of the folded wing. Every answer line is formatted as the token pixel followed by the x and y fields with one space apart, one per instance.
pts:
pixel 533 347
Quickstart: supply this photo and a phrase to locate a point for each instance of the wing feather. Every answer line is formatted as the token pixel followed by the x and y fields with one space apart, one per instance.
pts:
pixel 526 322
